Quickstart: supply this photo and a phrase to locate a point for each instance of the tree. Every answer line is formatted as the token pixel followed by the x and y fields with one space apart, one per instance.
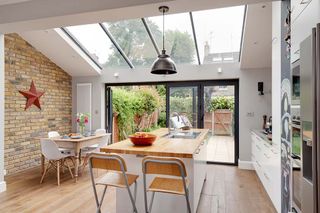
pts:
pixel 132 37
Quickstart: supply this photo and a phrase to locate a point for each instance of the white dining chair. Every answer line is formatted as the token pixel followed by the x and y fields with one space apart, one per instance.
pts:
pixel 103 141
pixel 55 134
pixel 56 159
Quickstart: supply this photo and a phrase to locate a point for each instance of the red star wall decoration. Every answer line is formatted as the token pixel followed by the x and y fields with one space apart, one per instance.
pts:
pixel 32 96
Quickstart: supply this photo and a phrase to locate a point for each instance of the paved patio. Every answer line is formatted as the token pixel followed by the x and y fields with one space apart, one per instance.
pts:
pixel 221 149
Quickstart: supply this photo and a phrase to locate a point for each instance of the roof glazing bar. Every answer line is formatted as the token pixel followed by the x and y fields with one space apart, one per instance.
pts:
pixel 83 49
pixel 125 57
pixel 242 33
pixel 150 35
pixel 195 38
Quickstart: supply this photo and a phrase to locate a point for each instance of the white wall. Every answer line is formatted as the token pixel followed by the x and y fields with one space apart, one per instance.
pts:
pixel 276 72
pixel 98 100
pixel 250 101
pixel 2 183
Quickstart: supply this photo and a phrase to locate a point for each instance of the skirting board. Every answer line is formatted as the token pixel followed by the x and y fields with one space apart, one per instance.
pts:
pixel 3 186
pixel 247 165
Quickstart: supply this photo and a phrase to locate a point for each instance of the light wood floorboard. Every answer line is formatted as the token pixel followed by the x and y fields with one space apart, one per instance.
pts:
pixel 226 190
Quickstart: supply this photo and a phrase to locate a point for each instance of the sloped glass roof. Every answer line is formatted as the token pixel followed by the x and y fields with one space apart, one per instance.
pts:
pixel 132 37
pixel 97 44
pixel 202 37
pixel 219 33
pixel 179 41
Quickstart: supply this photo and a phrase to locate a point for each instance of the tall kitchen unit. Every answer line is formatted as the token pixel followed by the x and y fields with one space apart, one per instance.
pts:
pixel 310 104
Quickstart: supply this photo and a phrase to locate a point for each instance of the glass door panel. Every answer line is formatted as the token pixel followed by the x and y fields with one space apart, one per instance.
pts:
pixel 183 101
pixel 219 118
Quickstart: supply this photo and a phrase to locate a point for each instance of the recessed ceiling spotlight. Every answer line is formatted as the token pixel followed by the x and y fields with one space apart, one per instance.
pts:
pixel 116 75
pixel 255 43
pixel 264 6
pixel 219 70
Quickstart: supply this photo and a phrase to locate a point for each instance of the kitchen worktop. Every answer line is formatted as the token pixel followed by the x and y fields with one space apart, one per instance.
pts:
pixel 263 136
pixel 163 146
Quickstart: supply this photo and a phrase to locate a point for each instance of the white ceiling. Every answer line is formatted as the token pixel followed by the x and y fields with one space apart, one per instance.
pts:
pixel 58 47
pixel 48 14
pixel 6 2
pixel 257 40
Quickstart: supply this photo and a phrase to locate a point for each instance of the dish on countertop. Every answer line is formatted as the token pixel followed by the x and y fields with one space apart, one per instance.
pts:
pixel 142 139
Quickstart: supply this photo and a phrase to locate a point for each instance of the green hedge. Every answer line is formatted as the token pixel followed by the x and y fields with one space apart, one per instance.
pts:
pixel 129 103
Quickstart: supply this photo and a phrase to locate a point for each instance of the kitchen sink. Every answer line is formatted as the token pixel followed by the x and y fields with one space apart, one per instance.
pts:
pixel 183 135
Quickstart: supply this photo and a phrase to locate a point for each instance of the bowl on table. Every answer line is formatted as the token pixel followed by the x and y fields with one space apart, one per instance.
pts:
pixel 142 139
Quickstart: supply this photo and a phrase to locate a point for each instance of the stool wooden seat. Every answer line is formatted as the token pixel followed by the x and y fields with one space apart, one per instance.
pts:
pixel 116 176
pixel 167 185
pixel 116 179
pixel 171 185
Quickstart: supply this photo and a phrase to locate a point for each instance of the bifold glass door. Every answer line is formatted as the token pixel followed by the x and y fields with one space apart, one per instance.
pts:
pixel 212 105
pixel 219 118
pixel 183 102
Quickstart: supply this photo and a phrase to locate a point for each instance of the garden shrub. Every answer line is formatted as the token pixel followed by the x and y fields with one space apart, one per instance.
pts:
pixel 221 102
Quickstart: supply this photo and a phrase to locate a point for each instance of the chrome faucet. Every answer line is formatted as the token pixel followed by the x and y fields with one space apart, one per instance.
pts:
pixel 173 129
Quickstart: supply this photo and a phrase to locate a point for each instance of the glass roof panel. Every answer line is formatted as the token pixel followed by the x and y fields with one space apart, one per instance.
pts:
pixel 218 33
pixel 179 41
pixel 97 43
pixel 132 37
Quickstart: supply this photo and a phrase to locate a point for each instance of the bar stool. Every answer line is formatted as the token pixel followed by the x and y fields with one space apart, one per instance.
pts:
pixel 116 176
pixel 165 166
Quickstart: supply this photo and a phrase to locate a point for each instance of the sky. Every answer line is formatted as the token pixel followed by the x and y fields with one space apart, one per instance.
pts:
pixel 220 28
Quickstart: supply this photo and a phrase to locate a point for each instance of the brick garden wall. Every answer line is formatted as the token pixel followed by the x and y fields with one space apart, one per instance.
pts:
pixel 24 63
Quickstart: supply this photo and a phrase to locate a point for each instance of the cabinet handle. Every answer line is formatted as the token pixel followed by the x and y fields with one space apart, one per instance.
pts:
pixel 258 147
pixel 305 1
pixel 274 152
pixel 266 176
pixel 258 164
pixel 266 155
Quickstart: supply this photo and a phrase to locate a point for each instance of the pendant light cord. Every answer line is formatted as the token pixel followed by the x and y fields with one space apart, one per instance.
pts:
pixel 163 29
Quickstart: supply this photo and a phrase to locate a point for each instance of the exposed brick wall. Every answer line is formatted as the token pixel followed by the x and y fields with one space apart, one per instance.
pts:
pixel 24 63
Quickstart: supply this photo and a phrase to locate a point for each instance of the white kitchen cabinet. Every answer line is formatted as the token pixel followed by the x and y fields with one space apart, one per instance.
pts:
pixel 200 170
pixel 266 162
pixel 302 26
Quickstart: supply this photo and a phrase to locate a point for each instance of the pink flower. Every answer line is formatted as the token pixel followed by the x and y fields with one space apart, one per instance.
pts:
pixel 78 120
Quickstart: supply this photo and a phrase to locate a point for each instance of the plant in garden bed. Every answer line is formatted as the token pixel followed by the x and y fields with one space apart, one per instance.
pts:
pixel 222 108
pixel 221 102
pixel 82 120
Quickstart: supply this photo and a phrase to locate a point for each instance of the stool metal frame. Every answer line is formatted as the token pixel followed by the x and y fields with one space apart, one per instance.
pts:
pixel 166 161
pixel 122 169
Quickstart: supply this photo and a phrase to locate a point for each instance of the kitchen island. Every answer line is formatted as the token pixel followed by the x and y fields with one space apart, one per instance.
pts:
pixel 191 150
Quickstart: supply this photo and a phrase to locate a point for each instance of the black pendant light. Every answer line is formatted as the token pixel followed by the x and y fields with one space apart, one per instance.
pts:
pixel 163 65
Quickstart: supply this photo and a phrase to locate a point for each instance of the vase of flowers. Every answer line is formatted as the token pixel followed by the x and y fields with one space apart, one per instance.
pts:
pixel 82 120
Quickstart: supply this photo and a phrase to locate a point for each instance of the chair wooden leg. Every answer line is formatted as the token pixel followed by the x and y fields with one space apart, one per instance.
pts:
pixel 44 172
pixel 70 170
pixel 85 162
pixel 58 172
pixel 62 163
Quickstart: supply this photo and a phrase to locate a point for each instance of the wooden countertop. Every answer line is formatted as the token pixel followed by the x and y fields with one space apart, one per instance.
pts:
pixel 163 146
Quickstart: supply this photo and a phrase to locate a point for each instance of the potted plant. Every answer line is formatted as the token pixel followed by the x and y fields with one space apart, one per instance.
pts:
pixel 82 120
pixel 222 108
